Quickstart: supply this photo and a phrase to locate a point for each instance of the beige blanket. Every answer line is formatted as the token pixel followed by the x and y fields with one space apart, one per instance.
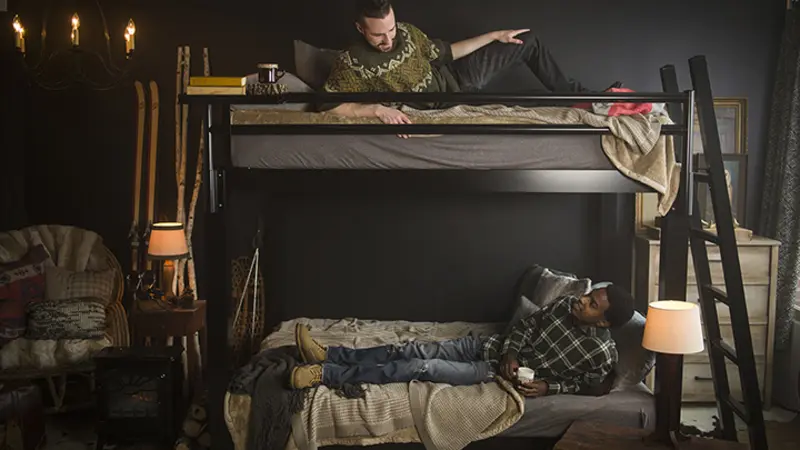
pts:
pixel 635 147
pixel 440 416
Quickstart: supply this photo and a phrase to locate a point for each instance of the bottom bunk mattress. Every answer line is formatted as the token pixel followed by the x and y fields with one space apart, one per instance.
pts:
pixel 407 413
pixel 568 152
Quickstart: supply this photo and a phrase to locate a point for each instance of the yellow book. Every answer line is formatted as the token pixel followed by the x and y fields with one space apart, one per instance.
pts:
pixel 216 90
pixel 218 81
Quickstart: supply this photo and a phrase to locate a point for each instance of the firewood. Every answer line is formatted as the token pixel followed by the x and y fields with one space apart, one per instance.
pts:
pixel 197 412
pixel 192 428
pixel 184 443
pixel 204 440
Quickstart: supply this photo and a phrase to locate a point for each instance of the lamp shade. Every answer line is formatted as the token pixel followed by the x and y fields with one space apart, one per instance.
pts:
pixel 167 241
pixel 673 327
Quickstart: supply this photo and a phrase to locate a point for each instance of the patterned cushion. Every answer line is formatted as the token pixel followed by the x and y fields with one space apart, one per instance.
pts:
pixel 82 318
pixel 63 284
pixel 21 282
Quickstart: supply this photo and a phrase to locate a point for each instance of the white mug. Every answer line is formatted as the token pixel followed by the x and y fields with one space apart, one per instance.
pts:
pixel 525 374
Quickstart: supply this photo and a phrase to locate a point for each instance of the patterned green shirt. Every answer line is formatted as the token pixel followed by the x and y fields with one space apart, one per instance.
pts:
pixel 563 352
pixel 415 64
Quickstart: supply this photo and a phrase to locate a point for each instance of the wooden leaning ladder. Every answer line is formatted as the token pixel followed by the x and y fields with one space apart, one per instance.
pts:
pixel 681 227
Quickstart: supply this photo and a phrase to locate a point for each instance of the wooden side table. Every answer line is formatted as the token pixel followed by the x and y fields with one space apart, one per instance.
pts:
pixel 585 435
pixel 152 322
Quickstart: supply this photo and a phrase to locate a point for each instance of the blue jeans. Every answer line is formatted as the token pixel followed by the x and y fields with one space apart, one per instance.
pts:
pixel 457 362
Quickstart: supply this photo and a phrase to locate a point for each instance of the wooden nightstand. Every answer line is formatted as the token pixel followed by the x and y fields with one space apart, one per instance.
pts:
pixel 584 435
pixel 153 323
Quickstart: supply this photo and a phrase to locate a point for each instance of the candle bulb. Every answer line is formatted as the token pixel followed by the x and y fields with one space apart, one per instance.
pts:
pixel 75 35
pixel 19 35
pixel 130 38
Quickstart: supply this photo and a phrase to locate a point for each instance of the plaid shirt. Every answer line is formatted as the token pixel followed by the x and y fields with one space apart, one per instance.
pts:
pixel 563 352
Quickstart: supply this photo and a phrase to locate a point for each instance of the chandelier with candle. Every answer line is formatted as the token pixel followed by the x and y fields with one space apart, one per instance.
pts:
pixel 73 64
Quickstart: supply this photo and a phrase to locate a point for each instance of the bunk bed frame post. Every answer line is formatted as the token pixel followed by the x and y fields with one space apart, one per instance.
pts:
pixel 674 255
pixel 219 367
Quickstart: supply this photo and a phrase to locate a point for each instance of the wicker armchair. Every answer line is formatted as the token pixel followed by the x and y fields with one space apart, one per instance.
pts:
pixel 60 241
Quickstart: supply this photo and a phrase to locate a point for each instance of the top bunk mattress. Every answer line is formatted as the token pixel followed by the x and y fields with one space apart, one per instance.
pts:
pixel 571 152
pixel 632 144
pixel 387 151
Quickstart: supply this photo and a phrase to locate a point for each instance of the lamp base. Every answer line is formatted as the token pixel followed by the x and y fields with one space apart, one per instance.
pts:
pixel 168 274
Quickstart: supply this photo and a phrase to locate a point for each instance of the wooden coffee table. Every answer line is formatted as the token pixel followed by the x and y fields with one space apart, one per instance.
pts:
pixel 585 435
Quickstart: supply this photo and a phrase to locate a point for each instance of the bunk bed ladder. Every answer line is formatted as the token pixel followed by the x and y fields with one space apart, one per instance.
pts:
pixel 740 354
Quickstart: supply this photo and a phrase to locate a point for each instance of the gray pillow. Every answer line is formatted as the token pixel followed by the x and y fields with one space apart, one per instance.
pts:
pixel 312 64
pixel 635 361
pixel 543 286
pixel 553 284
pixel 524 309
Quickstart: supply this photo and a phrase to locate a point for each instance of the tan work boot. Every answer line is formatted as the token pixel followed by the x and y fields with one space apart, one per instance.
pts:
pixel 310 350
pixel 306 376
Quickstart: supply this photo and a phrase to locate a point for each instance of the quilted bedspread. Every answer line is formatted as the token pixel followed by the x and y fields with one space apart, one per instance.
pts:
pixel 441 416
pixel 635 146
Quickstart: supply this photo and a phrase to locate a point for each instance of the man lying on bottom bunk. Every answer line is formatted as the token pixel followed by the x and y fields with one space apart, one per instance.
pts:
pixel 567 344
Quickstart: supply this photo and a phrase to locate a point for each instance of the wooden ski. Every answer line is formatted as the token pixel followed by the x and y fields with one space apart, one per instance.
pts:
pixel 136 230
pixel 152 160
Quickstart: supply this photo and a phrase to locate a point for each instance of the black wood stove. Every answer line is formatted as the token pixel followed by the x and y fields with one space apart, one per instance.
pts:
pixel 139 394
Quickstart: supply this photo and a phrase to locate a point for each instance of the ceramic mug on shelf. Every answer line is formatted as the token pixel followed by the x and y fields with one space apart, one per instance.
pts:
pixel 269 73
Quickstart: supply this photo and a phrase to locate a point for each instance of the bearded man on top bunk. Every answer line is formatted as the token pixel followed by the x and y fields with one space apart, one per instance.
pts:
pixel 399 57
pixel 567 343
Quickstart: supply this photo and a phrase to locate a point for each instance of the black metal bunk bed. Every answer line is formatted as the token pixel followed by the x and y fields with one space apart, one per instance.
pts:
pixel 682 224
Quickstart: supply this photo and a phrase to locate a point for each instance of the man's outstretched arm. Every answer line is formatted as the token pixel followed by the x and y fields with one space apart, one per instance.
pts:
pixel 463 48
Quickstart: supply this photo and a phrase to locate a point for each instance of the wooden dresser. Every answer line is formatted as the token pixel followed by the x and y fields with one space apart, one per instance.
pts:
pixel 759 262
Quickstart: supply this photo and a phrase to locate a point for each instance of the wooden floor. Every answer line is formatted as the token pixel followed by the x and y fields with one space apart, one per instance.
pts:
pixel 74 432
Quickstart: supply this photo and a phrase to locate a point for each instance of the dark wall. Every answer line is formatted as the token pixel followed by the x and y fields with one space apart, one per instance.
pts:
pixel 79 146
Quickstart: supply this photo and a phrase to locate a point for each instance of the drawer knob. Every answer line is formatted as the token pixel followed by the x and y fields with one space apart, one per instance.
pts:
pixel 697 378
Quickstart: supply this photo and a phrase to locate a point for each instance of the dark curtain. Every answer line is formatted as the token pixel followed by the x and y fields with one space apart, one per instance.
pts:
pixel 780 213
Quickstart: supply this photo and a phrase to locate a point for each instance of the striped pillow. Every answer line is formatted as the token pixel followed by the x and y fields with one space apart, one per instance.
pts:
pixel 81 318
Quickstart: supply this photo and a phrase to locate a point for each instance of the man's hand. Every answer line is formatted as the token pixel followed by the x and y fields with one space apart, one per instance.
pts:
pixel 509 36
pixel 508 368
pixel 533 388
pixel 392 116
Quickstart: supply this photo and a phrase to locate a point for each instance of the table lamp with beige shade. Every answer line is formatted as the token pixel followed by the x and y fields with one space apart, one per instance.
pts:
pixel 672 329
pixel 167 243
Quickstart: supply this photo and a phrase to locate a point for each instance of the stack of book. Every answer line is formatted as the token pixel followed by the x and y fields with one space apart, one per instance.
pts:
pixel 217 86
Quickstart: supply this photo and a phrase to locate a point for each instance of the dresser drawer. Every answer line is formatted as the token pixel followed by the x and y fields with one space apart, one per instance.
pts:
pixel 754 262
pixel 699 387
pixel 756 297
pixel 758 334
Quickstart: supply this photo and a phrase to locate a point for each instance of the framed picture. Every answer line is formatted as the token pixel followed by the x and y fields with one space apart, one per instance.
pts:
pixel 736 175
pixel 731 113
pixel 732 125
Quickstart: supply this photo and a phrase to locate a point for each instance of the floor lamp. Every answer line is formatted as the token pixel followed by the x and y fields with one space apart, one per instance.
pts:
pixel 672 329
